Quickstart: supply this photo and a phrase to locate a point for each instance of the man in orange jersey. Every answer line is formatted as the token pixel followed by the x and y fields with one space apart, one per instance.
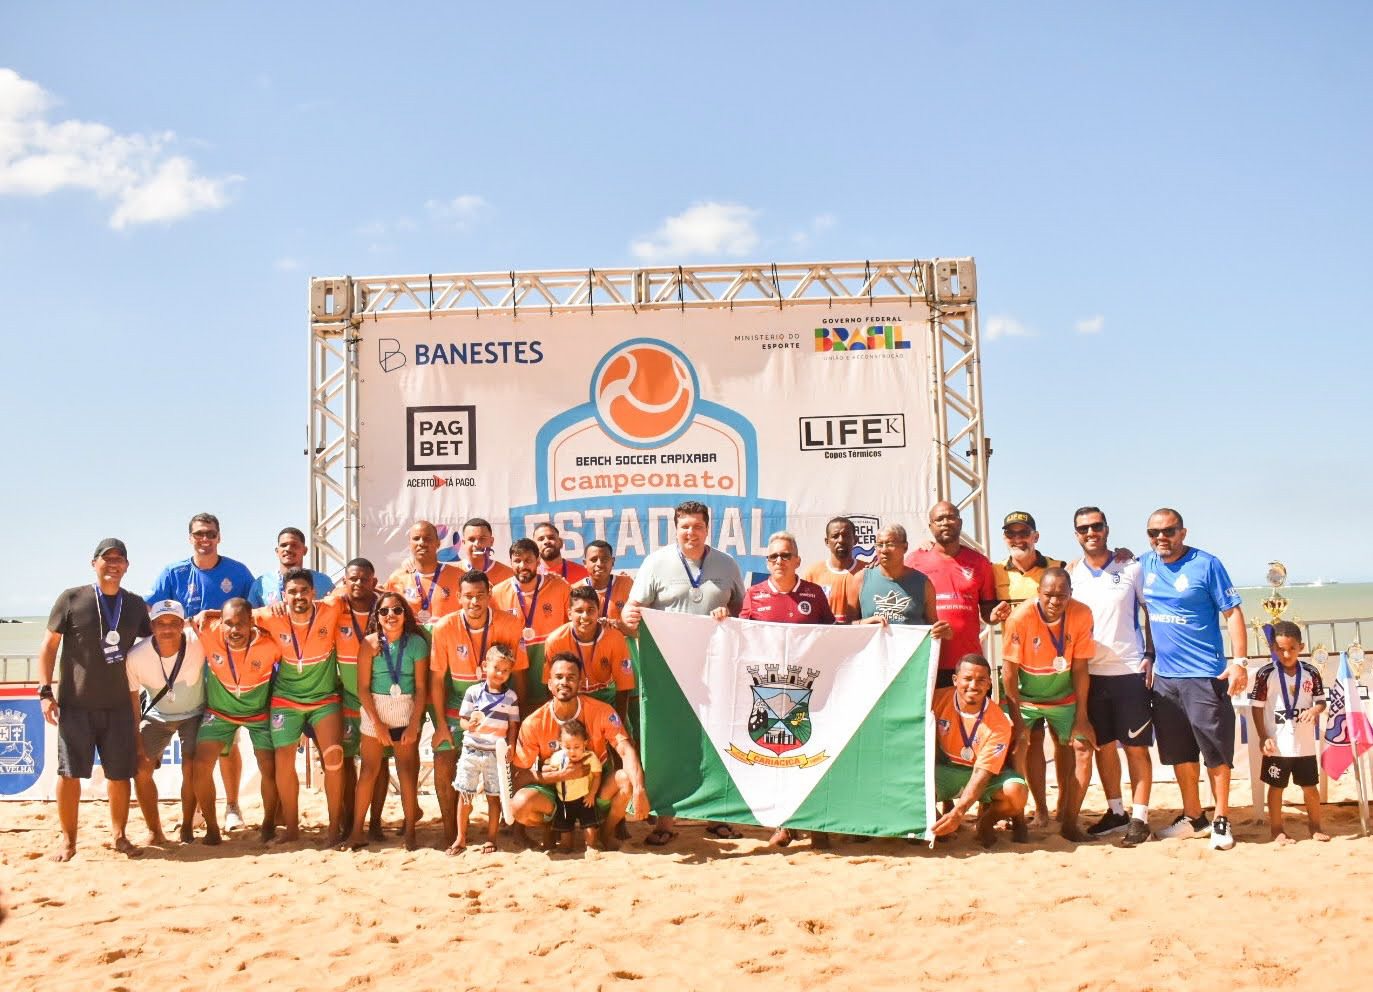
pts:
pixel 356 595
pixel 551 560
pixel 535 796
pixel 305 697
pixel 239 658
pixel 460 643
pixel 428 585
pixel 475 552
pixel 1045 655
pixel 973 740
pixel 607 672
pixel 835 574
pixel 612 590
pixel 538 601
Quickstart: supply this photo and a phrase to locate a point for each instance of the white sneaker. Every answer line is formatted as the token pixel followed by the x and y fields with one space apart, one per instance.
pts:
pixel 1183 827
pixel 1221 837
pixel 233 819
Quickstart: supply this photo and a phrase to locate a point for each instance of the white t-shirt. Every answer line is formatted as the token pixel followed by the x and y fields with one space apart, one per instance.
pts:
pixel 1114 595
pixel 1294 740
pixel 149 671
pixel 663 583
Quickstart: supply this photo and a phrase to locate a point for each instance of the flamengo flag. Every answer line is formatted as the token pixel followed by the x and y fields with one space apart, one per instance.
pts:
pixel 766 724
pixel 1347 730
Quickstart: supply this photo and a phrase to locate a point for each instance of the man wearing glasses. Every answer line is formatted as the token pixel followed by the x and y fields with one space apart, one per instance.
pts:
pixel 1017 578
pixel 1187 592
pixel 206 581
pixel 1119 706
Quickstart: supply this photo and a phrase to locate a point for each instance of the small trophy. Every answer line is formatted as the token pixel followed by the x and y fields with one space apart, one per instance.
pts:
pixel 1276 603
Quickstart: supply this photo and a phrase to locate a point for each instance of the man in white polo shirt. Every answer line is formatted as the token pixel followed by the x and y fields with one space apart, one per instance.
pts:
pixel 1118 704
pixel 168 669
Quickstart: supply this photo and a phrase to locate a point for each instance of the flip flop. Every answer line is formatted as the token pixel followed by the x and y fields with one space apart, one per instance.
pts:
pixel 723 831
pixel 660 837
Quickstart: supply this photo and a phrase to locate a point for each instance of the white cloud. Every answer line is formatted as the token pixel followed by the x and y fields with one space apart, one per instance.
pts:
pixel 287 264
pixel 819 224
pixel 461 212
pixel 147 183
pixel 1090 325
pixel 1002 326
pixel 701 230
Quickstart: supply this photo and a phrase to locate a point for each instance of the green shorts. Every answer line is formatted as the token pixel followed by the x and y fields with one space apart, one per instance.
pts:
pixel 1059 716
pixel 602 805
pixel 352 726
pixel 456 690
pixel 221 730
pixel 950 780
pixel 288 723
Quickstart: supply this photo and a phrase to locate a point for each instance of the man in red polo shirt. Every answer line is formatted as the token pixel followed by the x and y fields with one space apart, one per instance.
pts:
pixel 964 587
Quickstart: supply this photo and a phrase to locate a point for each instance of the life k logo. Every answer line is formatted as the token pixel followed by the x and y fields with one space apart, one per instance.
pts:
pixel 389 354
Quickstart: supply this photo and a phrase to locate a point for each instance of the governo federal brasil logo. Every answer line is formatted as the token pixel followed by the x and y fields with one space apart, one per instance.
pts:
pixel 644 393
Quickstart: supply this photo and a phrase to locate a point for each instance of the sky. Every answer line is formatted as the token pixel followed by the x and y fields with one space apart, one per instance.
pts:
pixel 1169 207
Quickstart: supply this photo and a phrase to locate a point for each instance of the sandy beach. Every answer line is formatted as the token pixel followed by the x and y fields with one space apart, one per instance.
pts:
pixel 703 914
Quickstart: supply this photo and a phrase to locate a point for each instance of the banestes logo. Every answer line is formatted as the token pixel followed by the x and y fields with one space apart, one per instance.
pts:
pixel 391 356
pixel 863 430
pixel 441 438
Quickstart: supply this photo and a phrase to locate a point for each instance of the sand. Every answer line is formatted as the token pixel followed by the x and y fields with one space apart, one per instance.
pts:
pixel 702 914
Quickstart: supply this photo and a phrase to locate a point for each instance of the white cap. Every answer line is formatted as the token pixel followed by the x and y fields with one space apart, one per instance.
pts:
pixel 166 608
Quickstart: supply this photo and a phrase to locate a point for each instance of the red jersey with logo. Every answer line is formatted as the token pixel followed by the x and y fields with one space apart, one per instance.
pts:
pixel 568 571
pixel 806 603
pixel 961 584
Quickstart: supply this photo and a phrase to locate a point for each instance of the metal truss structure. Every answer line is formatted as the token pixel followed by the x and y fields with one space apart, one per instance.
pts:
pixel 339 306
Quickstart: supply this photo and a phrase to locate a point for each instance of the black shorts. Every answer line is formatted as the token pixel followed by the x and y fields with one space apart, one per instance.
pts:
pixel 1302 771
pixel 576 813
pixel 81 733
pixel 1119 709
pixel 1194 719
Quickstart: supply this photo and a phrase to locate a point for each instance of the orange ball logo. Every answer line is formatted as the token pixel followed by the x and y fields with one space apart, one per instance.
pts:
pixel 644 393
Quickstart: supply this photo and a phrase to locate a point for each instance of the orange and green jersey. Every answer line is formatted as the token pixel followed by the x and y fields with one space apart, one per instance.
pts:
pixel 352 628
pixel 1030 643
pixel 612 605
pixel 239 681
pixel 990 742
pixel 438 588
pixel 605 660
pixel 308 674
pixel 541 733
pixel 841 588
pixel 459 648
pixel 545 604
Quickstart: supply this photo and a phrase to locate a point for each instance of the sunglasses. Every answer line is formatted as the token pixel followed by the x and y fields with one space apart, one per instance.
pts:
pixel 1018 533
pixel 205 535
pixel 1093 528
pixel 390 611
pixel 781 556
pixel 1155 532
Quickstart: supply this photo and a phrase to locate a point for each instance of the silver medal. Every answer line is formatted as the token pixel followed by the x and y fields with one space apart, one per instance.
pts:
pixel 1060 664
pixel 422 616
pixel 528 634
pixel 697 595
pixel 112 638
pixel 395 691
pixel 966 754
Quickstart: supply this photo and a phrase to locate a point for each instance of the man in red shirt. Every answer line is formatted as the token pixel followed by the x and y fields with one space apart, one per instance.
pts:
pixel 551 560
pixel 964 587
pixel 785 597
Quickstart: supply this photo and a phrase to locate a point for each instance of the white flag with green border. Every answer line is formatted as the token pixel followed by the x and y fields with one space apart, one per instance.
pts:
pixel 768 724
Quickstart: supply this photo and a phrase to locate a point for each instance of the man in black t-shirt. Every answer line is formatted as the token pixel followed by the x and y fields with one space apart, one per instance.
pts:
pixel 95 626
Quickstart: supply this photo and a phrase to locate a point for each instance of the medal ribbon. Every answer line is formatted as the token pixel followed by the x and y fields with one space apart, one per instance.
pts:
pixel 176 669
pixel 1062 638
pixel 393 670
pixel 533 603
pixel 576 642
pixel 1290 705
pixel 233 669
pixel 700 576
pixel 433 584
pixel 295 644
pixel 486 633
pixel 108 616
pixel 977 724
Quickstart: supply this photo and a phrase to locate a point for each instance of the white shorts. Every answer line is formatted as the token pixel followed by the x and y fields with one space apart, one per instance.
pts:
pixel 395 712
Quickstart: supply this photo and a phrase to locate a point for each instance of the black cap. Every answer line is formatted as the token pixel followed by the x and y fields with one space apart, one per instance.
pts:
pixel 110 544
pixel 1018 517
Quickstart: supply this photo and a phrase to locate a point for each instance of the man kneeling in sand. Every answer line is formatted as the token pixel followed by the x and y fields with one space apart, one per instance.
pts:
pixel 974 739
pixel 540 737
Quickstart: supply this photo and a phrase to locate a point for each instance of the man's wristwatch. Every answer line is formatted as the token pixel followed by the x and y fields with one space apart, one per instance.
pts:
pixel 45 691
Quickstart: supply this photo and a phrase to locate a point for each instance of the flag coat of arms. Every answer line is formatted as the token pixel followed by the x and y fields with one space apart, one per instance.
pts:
pixel 1347 730
pixel 802 726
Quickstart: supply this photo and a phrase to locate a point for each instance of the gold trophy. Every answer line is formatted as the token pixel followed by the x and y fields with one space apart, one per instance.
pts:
pixel 1276 603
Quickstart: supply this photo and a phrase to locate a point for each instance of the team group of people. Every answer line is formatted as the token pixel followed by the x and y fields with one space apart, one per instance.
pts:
pixel 1110 650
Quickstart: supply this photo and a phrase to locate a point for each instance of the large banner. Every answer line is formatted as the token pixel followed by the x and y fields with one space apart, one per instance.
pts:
pixel 786 725
pixel 604 422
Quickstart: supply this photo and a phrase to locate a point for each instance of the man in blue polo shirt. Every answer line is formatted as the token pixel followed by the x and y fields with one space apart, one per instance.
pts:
pixel 1186 592
pixel 206 581
pixel 268 588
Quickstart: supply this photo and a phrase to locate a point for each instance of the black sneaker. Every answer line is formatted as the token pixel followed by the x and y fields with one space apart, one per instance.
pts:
pixel 1136 833
pixel 1111 823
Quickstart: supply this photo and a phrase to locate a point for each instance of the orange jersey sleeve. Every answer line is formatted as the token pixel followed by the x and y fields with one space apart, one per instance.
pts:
pixel 545 605
pixel 540 731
